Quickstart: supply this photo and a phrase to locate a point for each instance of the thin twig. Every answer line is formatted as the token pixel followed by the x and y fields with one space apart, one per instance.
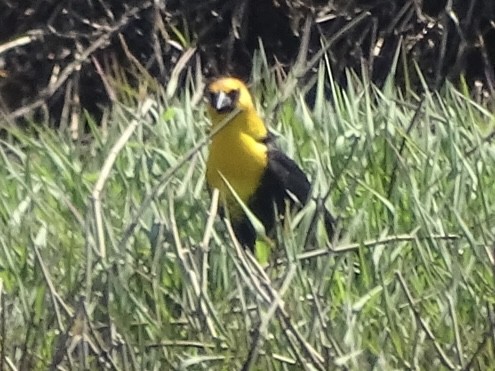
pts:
pixel 183 344
pixel 484 341
pixel 486 139
pixel 10 364
pixel 79 60
pixel 283 359
pixel 418 113
pixel 22 40
pixel 191 274
pixel 355 21
pixel 302 54
pixel 181 64
pixel 261 283
pixel 267 317
pixel 443 357
pixel 371 243
pixel 103 353
pixel 206 239
pixel 455 327
pixel 105 173
pixel 54 296
pixel 112 95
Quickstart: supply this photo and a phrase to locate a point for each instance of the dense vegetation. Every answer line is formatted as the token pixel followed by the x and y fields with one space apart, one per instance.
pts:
pixel 111 254
pixel 110 251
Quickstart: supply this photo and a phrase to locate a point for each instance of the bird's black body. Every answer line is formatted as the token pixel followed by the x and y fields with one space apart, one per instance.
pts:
pixel 283 184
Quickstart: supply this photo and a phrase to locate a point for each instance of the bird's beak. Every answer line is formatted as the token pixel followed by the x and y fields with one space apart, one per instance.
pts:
pixel 222 102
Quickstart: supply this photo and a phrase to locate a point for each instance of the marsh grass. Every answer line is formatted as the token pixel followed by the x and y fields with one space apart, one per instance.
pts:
pixel 110 253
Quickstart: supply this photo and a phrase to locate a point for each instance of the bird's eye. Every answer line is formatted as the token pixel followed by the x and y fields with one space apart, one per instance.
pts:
pixel 210 96
pixel 234 95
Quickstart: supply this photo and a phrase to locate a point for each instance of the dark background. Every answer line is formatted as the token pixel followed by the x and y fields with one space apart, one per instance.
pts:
pixel 54 55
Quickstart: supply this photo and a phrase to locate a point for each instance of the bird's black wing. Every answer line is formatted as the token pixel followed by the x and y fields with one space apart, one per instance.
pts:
pixel 289 175
pixel 284 180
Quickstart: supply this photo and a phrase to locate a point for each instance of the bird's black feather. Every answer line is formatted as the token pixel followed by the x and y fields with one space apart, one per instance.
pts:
pixel 282 184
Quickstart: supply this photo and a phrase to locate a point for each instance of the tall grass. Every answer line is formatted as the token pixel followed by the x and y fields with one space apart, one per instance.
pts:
pixel 110 252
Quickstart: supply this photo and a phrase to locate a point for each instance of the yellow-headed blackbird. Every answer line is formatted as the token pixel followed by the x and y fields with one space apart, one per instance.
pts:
pixel 243 154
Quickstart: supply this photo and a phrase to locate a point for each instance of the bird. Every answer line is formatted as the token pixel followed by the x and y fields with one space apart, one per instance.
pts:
pixel 243 157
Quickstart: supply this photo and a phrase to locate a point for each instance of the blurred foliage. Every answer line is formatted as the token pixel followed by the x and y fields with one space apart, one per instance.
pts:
pixel 55 56
pixel 108 259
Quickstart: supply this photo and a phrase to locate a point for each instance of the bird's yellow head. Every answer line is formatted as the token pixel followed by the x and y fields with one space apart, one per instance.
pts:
pixel 225 95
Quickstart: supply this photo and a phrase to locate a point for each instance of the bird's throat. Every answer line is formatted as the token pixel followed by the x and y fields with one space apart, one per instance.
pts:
pixel 239 159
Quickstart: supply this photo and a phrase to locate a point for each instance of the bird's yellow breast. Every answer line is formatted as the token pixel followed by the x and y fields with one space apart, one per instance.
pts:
pixel 239 158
